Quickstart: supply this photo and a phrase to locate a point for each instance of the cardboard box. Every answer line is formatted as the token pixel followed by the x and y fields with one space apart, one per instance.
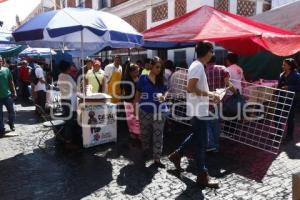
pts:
pixel 296 186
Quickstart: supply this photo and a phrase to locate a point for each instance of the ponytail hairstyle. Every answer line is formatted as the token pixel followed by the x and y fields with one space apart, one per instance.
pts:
pixel 291 62
pixel 160 77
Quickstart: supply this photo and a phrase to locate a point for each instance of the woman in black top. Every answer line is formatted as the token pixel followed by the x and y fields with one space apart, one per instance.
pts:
pixel 289 80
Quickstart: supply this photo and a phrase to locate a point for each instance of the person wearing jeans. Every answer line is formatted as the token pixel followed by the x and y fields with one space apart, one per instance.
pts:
pixel 40 89
pixel 199 138
pixel 198 110
pixel 7 91
pixel 217 78
pixel 213 130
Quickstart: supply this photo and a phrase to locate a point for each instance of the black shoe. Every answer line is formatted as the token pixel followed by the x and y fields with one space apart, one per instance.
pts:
pixel 2 133
pixel 12 127
pixel 158 164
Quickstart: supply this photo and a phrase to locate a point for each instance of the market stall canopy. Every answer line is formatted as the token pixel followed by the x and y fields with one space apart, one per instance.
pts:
pixel 286 17
pixel 235 33
pixel 37 52
pixel 167 45
pixel 72 27
pixel 11 51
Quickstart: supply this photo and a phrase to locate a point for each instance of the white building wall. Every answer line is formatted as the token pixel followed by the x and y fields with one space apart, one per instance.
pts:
pixel 135 6
pixel 278 3
pixel 233 6
pixel 95 4
pixel 193 4
pixel 48 3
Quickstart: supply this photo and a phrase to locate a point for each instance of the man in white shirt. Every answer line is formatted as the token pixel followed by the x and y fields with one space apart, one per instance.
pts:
pixel 113 67
pixel 40 88
pixel 236 73
pixel 113 75
pixel 198 108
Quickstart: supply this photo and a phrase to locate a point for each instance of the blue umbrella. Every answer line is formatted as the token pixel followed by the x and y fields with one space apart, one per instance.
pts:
pixel 78 27
pixel 37 52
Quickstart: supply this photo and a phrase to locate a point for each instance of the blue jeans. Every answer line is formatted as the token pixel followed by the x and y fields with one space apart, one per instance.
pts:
pixel 213 131
pixel 291 121
pixel 8 102
pixel 199 138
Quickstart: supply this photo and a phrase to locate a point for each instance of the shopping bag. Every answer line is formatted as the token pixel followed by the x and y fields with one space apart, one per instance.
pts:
pixel 233 105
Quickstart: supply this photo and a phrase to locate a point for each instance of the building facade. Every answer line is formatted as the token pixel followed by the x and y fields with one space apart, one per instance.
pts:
pixel 278 3
pixel 144 14
pixel 43 6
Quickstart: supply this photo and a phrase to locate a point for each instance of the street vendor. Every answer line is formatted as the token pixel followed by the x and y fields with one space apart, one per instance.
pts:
pixel 113 74
pixel 96 78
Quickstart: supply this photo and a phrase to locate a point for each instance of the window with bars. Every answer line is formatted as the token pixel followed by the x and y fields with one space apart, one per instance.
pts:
pixel 103 4
pixel 81 4
pixel 63 3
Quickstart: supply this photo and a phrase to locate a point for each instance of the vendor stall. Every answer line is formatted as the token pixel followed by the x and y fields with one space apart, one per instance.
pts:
pixel 98 119
pixel 242 36
pixel 235 33
pixel 89 31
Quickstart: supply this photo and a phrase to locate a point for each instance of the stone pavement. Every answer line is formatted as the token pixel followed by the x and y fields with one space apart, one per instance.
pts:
pixel 111 171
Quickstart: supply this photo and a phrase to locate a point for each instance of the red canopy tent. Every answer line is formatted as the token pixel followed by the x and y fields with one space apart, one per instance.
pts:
pixel 235 33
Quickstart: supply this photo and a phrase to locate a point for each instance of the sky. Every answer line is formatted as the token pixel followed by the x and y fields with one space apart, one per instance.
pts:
pixel 9 9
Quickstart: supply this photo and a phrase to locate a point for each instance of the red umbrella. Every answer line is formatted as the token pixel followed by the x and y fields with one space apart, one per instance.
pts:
pixel 1 1
pixel 235 33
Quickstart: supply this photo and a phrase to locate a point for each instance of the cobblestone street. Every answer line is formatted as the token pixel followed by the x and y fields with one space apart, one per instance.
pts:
pixel 111 171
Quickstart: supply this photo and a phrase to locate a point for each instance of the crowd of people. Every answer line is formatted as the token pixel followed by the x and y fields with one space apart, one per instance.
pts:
pixel 143 89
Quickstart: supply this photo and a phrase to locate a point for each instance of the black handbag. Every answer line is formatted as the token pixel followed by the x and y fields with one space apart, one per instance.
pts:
pixel 233 104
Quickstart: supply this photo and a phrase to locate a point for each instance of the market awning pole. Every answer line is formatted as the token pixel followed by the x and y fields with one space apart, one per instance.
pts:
pixel 129 55
pixel 51 67
pixel 82 65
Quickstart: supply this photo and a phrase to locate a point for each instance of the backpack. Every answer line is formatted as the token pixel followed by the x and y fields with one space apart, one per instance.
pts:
pixel 24 73
pixel 33 77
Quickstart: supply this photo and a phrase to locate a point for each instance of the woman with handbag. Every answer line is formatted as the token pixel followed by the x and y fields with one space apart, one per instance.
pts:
pixel 128 87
